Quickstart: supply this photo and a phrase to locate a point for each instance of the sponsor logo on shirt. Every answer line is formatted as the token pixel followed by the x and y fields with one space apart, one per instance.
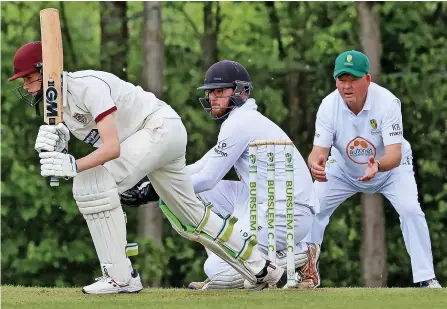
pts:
pixel 359 150
pixel 373 123
pixel 317 135
pixel 220 152
pixel 396 130
pixel 221 145
pixel 219 149
pixel 407 160
pixel 92 137
pixel 81 118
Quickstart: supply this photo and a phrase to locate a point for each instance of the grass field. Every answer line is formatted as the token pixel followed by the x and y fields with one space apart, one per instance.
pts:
pixel 346 298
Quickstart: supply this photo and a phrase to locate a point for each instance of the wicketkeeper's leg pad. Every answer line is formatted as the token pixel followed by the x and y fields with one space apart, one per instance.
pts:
pixel 281 259
pixel 96 195
pixel 221 275
pixel 216 238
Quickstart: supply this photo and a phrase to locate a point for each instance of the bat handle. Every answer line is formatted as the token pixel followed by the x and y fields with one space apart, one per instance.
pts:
pixel 54 182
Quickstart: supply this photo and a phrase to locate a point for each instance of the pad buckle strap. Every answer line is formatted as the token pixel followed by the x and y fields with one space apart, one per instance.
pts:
pixel 247 248
pixel 205 218
pixel 226 230
pixel 132 249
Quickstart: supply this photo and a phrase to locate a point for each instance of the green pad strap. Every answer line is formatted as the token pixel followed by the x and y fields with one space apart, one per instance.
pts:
pixel 132 249
pixel 247 248
pixel 227 229
pixel 205 218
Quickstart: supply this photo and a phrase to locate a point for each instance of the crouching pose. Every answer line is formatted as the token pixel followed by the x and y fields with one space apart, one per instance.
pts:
pixel 227 89
pixel 136 135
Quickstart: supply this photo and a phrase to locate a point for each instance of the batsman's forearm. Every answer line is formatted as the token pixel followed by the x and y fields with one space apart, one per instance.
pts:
pixel 98 157
pixel 389 161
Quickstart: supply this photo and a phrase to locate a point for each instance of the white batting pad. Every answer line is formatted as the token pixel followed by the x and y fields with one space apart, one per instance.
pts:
pixel 230 279
pixel 96 195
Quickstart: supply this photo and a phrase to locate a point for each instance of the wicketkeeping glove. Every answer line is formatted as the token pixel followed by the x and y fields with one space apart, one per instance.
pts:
pixel 142 193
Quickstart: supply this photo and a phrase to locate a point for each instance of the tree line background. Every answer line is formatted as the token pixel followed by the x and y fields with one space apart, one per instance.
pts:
pixel 289 49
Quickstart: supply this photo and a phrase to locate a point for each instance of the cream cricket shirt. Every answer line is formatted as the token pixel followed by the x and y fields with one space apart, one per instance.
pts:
pixel 244 125
pixel 354 138
pixel 92 95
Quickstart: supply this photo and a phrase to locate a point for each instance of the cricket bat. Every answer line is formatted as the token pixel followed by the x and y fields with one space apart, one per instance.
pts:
pixel 53 64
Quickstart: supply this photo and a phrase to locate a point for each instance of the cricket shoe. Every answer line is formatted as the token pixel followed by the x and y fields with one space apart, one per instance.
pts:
pixel 198 285
pixel 310 273
pixel 430 284
pixel 108 285
pixel 271 276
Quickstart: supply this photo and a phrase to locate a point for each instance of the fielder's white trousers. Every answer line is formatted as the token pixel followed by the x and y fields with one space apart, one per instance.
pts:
pixel 231 198
pixel 400 189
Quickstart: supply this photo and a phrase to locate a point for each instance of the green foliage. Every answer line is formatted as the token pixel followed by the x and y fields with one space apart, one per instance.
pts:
pixel 45 241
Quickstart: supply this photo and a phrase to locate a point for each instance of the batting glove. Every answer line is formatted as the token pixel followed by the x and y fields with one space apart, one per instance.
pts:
pixel 52 138
pixel 56 164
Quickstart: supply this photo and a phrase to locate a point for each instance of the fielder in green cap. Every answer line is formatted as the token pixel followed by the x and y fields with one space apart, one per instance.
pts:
pixel 351 62
pixel 352 78
pixel 360 125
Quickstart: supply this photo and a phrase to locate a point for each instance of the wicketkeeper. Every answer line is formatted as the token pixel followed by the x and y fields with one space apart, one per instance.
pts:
pixel 227 89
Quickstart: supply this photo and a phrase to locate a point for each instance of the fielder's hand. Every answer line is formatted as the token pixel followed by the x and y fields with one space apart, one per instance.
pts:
pixel 317 170
pixel 52 138
pixel 57 164
pixel 371 170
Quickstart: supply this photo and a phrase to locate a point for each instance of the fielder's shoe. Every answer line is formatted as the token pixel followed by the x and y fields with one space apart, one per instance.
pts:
pixel 309 273
pixel 272 275
pixel 107 285
pixel 430 284
pixel 198 285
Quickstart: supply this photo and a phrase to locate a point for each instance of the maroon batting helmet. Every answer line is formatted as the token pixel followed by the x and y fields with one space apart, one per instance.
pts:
pixel 28 59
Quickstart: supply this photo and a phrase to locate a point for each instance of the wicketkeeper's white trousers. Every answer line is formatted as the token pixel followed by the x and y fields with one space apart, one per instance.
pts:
pixel 400 189
pixel 231 198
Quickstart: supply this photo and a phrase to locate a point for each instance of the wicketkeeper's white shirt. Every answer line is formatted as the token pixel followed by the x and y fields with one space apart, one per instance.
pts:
pixel 354 138
pixel 92 95
pixel 244 125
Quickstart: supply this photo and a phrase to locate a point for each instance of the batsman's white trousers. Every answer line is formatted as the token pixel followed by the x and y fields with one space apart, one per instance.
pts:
pixel 231 198
pixel 158 150
pixel 401 190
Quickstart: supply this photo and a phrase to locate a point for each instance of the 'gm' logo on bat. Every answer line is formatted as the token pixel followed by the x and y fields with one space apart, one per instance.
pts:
pixel 51 99
pixel 359 150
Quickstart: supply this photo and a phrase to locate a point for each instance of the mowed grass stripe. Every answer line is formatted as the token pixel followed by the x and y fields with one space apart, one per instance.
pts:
pixel 344 298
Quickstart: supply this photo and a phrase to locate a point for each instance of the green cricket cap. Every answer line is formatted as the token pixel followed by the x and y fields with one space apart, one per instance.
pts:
pixel 351 62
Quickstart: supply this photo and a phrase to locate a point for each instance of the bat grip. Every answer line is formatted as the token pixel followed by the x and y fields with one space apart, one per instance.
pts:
pixel 54 181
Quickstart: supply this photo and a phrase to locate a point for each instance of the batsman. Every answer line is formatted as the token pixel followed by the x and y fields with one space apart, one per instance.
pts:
pixel 135 135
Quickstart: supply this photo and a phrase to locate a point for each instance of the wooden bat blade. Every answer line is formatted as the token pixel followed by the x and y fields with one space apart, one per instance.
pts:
pixel 52 55
pixel 53 65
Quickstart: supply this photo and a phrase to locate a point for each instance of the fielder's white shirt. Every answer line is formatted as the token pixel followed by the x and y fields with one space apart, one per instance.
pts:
pixel 354 138
pixel 92 95
pixel 244 125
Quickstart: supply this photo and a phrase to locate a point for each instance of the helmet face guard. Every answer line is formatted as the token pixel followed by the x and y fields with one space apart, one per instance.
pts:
pixel 32 99
pixel 236 100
